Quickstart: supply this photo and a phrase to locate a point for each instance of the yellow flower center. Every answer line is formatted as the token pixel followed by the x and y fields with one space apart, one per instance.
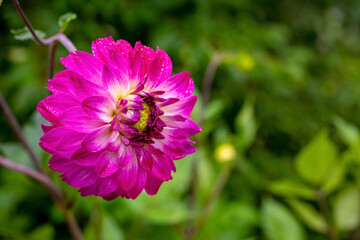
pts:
pixel 142 123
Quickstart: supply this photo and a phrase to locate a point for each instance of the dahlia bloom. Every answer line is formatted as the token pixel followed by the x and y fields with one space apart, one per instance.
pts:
pixel 119 120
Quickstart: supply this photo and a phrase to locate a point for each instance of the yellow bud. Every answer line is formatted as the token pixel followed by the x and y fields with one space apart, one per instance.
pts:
pixel 225 152
pixel 245 62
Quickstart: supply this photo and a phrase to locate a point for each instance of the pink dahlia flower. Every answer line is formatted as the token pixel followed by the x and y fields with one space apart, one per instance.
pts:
pixel 119 120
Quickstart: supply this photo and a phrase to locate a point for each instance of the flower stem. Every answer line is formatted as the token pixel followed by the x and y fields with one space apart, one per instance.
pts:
pixel 47 41
pixel 39 176
pixel 321 199
pixel 219 186
pixel 206 90
pixel 27 22
pixel 19 133
pixel 73 225
pixel 209 76
pixel 51 59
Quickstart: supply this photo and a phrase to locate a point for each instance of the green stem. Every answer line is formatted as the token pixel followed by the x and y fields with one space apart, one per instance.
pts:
pixel 321 199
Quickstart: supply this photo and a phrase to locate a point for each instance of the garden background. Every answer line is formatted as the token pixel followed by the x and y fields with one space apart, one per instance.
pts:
pixel 278 85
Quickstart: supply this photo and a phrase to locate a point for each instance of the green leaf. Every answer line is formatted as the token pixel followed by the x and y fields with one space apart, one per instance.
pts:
pixel 24 34
pixel 65 19
pixel 44 232
pixel 316 160
pixel 348 132
pixel 309 215
pixel 279 223
pixel 1 2
pixel 346 209
pixel 336 177
pixel 292 188
pixel 245 123
pixel 110 229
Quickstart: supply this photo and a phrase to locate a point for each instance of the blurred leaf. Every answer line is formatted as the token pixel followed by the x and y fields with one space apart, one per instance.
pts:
pixel 24 34
pixel 336 177
pixel 110 229
pixel 349 133
pixel 214 109
pixel 65 19
pixel 44 232
pixel 230 220
pixel 346 209
pixel 167 207
pixel 245 123
pixel 279 223
pixel 1 2
pixel 292 188
pixel 309 215
pixel 16 152
pixel 316 160
pixel 33 132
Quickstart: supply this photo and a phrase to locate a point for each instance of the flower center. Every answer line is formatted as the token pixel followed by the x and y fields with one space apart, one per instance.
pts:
pixel 142 123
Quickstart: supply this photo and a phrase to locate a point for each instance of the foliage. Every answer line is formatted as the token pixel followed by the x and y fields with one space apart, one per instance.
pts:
pixel 285 99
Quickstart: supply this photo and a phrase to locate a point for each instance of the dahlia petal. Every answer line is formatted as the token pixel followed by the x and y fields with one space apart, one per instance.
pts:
pixel 178 86
pixel 124 155
pixel 124 48
pixel 101 48
pixel 77 119
pixel 117 193
pixel 139 185
pixel 87 65
pixel 46 128
pixel 99 107
pixel 159 70
pixel 107 164
pixel 47 114
pixel 161 168
pixel 138 69
pixel 115 145
pixel 174 148
pixel 58 84
pixel 70 143
pixel 102 187
pixel 59 102
pixel 145 158
pixel 51 139
pixel 115 81
pixel 82 88
pixel 127 175
pixel 60 164
pixel 83 157
pixel 98 139
pixel 147 53
pixel 81 177
pixel 152 184
pixel 188 127
pixel 182 107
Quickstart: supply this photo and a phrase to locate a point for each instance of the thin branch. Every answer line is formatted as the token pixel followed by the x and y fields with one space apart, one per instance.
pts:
pixel 27 22
pixel 19 133
pixel 206 90
pixel 209 76
pixel 219 186
pixel 41 177
pixel 321 199
pixel 73 225
pixel 51 59
pixel 47 41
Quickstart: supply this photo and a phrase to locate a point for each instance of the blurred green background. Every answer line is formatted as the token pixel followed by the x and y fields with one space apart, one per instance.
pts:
pixel 279 154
